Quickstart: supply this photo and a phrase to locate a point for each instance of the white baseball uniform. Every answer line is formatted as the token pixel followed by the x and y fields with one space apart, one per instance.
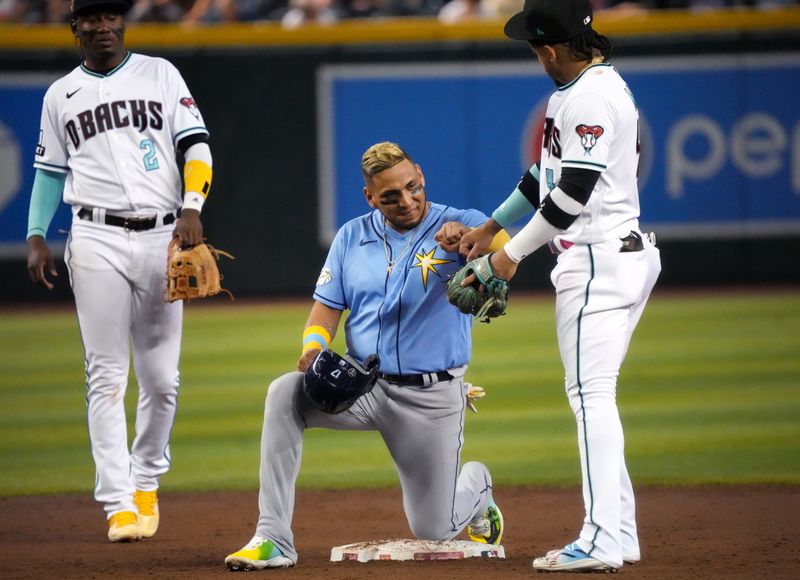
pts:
pixel 606 270
pixel 114 135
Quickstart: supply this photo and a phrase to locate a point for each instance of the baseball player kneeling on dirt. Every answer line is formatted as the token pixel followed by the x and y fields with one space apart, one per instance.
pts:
pixel 110 130
pixel 387 268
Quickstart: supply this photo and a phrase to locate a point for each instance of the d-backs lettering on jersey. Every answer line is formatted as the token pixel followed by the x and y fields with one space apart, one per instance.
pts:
pixel 551 138
pixel 138 113
pixel 400 315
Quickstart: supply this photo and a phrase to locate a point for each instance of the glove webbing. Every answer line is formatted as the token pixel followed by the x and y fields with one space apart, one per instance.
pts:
pixel 483 312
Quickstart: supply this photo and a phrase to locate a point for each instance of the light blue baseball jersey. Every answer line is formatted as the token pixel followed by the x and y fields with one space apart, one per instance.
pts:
pixel 403 316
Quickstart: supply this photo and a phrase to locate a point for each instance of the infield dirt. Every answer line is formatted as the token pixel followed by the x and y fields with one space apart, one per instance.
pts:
pixel 686 533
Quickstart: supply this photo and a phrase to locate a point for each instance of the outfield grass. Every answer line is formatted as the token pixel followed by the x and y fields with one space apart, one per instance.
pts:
pixel 710 393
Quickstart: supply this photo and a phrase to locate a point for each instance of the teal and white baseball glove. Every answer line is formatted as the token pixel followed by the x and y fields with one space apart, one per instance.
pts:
pixel 486 297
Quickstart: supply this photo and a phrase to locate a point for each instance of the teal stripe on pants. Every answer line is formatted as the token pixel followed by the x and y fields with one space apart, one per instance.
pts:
pixel 580 394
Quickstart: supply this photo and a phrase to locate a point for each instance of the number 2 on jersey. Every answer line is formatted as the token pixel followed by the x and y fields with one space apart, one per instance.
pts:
pixel 150 160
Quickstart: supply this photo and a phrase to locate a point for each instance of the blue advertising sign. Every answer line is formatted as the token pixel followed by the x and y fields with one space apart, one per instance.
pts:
pixel 720 139
pixel 20 110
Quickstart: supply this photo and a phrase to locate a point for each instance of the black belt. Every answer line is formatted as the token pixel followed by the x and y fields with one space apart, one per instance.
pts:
pixel 415 380
pixel 129 223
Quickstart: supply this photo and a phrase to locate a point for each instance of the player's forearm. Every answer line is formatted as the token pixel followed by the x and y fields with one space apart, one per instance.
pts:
pixel 515 207
pixel 48 187
pixel 321 326
pixel 522 201
pixel 557 213
pixel 197 174
pixel 535 233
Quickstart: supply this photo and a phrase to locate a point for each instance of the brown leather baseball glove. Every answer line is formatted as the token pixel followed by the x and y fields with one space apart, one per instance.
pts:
pixel 192 272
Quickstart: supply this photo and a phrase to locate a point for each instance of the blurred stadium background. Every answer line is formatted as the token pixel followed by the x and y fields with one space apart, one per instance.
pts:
pixel 713 383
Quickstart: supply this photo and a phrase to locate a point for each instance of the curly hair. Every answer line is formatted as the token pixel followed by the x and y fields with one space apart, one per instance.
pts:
pixel 586 45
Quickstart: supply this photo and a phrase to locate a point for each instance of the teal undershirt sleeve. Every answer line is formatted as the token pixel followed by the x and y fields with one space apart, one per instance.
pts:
pixel 48 186
pixel 515 207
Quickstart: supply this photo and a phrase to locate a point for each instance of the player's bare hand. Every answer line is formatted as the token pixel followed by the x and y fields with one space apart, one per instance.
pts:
pixel 449 235
pixel 475 242
pixel 503 266
pixel 189 228
pixel 40 262
pixel 306 359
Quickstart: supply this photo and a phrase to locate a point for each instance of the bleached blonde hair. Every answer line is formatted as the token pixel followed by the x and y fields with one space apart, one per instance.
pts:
pixel 382 156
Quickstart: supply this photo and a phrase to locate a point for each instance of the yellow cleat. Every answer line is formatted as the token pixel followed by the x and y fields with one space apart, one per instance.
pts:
pixel 488 528
pixel 260 553
pixel 124 527
pixel 147 504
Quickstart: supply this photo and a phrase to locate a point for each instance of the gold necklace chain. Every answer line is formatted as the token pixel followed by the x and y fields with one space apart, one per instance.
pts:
pixel 406 247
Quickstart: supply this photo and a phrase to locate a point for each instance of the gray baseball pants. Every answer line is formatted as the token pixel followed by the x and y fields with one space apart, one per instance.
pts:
pixel 423 428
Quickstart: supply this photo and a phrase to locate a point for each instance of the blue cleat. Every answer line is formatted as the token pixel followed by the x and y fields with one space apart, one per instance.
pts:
pixel 570 559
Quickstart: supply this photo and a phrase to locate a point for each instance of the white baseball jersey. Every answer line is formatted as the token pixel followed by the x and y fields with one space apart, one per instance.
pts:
pixel 592 123
pixel 115 135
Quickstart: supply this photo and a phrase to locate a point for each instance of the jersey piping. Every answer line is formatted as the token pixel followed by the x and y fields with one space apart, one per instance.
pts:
pixel 185 132
pixel 583 72
pixel 59 168
pixel 589 163
pixel 462 413
pixel 405 280
pixel 109 73
pixel 329 302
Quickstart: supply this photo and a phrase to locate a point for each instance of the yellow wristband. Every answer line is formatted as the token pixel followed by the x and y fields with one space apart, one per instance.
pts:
pixel 197 177
pixel 499 240
pixel 316 338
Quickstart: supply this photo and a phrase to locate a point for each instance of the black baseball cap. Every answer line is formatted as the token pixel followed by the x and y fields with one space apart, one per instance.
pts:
pixel 82 6
pixel 550 21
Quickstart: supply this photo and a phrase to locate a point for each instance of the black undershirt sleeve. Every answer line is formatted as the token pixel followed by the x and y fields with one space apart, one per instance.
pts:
pixel 190 140
pixel 576 183
pixel 529 187
pixel 555 215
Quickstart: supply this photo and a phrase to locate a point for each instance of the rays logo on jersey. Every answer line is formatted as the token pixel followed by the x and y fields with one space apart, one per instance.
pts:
pixel 189 103
pixel 589 136
pixel 426 262
pixel 139 114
